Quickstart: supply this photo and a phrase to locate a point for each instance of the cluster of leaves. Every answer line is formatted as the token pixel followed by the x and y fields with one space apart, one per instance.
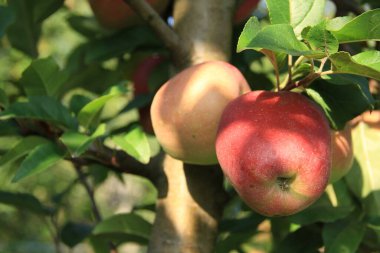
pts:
pixel 69 113
pixel 337 84
pixel 346 217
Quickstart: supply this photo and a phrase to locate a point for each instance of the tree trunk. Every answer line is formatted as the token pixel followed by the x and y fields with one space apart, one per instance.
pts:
pixel 191 198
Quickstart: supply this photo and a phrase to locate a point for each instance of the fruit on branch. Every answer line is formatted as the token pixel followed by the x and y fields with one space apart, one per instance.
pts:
pixel 275 148
pixel 116 14
pixel 186 110
pixel 244 10
pixel 140 78
pixel 342 153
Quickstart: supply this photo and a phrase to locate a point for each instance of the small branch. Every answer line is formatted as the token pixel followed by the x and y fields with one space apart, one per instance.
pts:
pixel 170 38
pixel 90 193
pixel 328 72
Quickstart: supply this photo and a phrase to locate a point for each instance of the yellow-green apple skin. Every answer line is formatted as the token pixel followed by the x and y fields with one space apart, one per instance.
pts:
pixel 275 149
pixel 342 153
pixel 186 110
pixel 116 14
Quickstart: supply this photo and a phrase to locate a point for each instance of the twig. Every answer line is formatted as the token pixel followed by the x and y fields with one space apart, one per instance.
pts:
pixel 90 193
pixel 170 38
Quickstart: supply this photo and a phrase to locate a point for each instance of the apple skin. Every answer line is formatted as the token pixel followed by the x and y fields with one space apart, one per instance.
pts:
pixel 116 14
pixel 140 80
pixel 186 110
pixel 342 153
pixel 275 148
pixel 244 10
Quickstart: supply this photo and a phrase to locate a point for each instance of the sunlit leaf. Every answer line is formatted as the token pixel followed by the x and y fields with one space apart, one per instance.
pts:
pixel 298 13
pixel 134 143
pixel 363 27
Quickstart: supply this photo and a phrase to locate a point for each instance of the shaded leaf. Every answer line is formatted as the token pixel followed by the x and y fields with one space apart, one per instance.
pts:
pixel 342 97
pixel 343 236
pixel 29 16
pixel 41 108
pixel 41 158
pixel 130 227
pixel 363 27
pixel 43 78
pixel 24 201
pixel 4 101
pixel 74 233
pixel 306 239
pixel 134 143
pixel 22 148
pixel 6 18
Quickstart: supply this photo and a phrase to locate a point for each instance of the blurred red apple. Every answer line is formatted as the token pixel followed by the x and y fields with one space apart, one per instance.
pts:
pixel 140 80
pixel 244 10
pixel 116 14
pixel 275 149
pixel 342 153
pixel 186 110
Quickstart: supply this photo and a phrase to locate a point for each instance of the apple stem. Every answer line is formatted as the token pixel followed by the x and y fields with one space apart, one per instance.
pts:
pixel 299 60
pixel 277 79
pixel 290 66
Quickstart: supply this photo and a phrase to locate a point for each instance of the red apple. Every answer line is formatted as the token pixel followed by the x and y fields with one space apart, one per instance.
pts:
pixel 140 80
pixel 116 14
pixel 244 10
pixel 186 110
pixel 342 153
pixel 275 149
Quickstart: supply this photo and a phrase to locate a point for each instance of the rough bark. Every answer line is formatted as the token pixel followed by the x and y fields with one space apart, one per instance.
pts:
pixel 191 198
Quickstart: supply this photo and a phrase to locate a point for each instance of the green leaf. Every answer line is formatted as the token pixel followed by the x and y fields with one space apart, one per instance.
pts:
pixel 321 211
pixel 89 112
pixel 41 158
pixel 134 143
pixel 321 40
pixel 342 97
pixel 369 58
pixel 251 29
pixel 41 108
pixel 125 227
pixel 298 13
pixel 342 62
pixel 43 78
pixel 29 16
pixel 363 27
pixel 78 143
pixel 343 236
pixel 278 38
pixel 4 101
pixel 304 240
pixel 125 41
pixel 363 177
pixel 86 26
pixel 74 233
pixel 22 148
pixel 24 201
pixel 6 18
